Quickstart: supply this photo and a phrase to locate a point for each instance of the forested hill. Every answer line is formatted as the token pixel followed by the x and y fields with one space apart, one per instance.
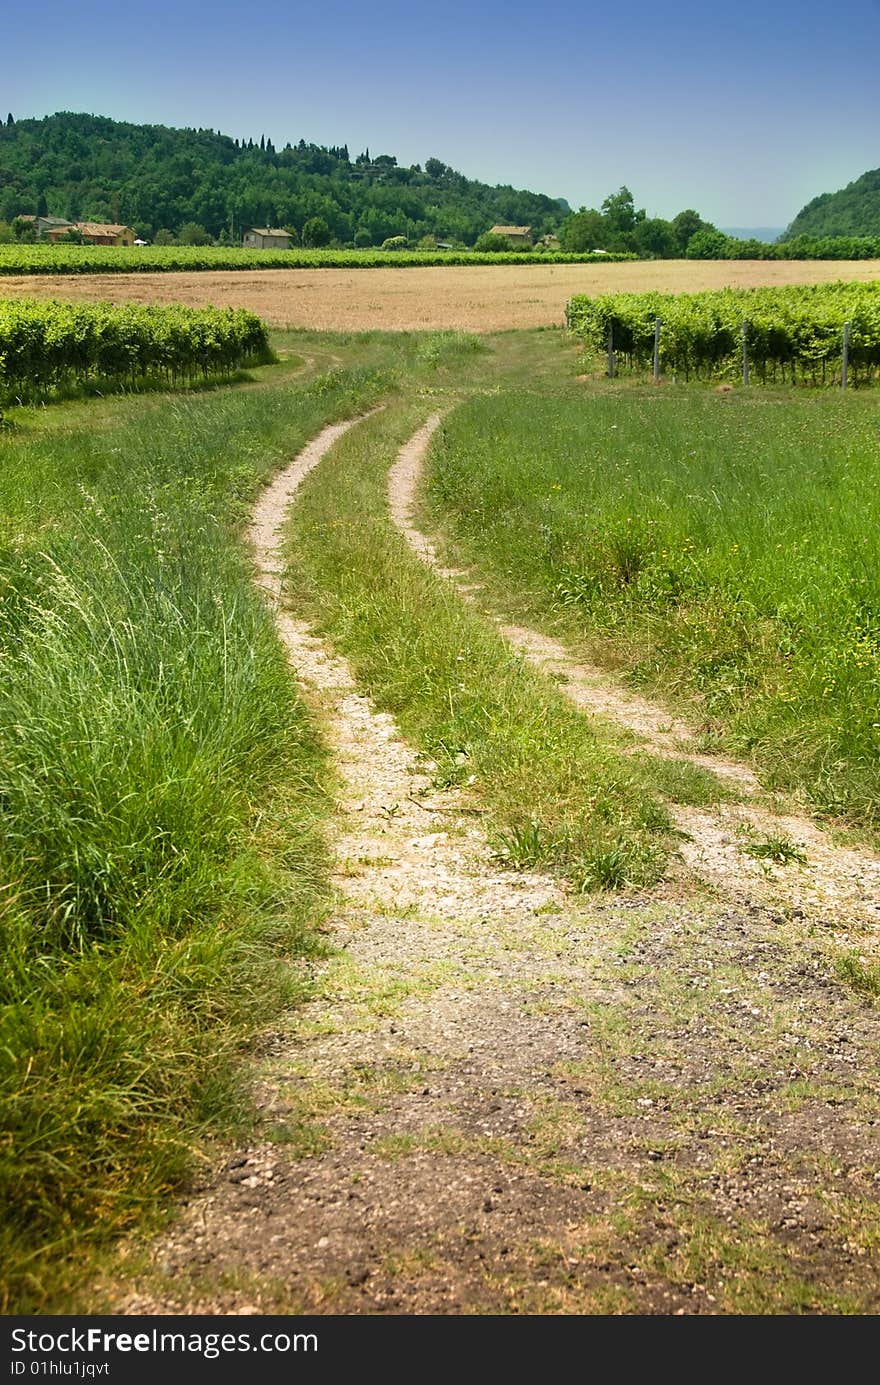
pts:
pixel 91 168
pixel 853 211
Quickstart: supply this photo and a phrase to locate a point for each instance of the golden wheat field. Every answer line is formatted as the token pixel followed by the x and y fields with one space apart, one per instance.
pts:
pixel 476 298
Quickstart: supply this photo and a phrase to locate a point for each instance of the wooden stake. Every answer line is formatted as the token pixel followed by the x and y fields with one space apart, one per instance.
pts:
pixel 657 324
pixel 610 353
pixel 845 369
pixel 745 328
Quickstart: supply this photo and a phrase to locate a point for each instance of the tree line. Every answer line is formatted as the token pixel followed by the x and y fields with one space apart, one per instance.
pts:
pixel 199 186
pixel 620 228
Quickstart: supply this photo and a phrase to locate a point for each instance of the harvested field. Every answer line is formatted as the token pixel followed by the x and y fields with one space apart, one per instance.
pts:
pixel 473 298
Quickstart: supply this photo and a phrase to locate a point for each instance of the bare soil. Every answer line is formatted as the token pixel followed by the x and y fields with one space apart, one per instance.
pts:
pixel 474 298
pixel 505 1099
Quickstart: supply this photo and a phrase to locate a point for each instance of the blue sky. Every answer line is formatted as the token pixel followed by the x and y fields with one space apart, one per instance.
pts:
pixel 743 114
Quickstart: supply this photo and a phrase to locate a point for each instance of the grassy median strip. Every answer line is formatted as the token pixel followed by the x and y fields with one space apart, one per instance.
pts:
pixel 557 788
pixel 162 792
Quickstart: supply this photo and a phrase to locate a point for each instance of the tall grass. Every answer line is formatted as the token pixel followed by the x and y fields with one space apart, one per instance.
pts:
pixel 161 789
pixel 721 547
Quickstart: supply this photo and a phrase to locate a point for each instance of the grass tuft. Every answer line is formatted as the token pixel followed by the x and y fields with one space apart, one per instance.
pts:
pixel 863 977
pixel 779 849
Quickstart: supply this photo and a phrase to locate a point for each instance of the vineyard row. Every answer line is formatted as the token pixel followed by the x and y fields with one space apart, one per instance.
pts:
pixel 95 259
pixel 47 345
pixel 796 332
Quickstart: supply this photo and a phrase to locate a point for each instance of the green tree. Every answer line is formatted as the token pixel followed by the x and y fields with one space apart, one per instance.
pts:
pixel 708 245
pixel 24 230
pixel 685 225
pixel 191 233
pixel 620 212
pixel 654 237
pixel 164 237
pixel 488 243
pixel 584 231
pixel 315 232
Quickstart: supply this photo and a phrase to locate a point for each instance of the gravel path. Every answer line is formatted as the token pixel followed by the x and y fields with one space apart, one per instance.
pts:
pixel 505 1100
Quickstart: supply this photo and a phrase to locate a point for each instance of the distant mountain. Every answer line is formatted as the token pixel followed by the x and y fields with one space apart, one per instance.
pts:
pixel 853 211
pixel 151 177
pixel 765 233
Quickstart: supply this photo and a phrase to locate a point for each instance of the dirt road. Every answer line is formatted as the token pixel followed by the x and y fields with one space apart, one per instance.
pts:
pixel 507 1099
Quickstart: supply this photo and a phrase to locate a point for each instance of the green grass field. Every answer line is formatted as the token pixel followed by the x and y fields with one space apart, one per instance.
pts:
pixel 721 548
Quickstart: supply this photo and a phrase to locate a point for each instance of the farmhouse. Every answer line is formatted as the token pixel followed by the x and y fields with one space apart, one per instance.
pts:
pixel 43 224
pixel 265 238
pixel 46 224
pixel 95 232
pixel 517 235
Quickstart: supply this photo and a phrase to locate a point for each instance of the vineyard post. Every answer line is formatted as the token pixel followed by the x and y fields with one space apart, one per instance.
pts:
pixel 610 353
pixel 845 368
pixel 657 324
pixel 745 328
